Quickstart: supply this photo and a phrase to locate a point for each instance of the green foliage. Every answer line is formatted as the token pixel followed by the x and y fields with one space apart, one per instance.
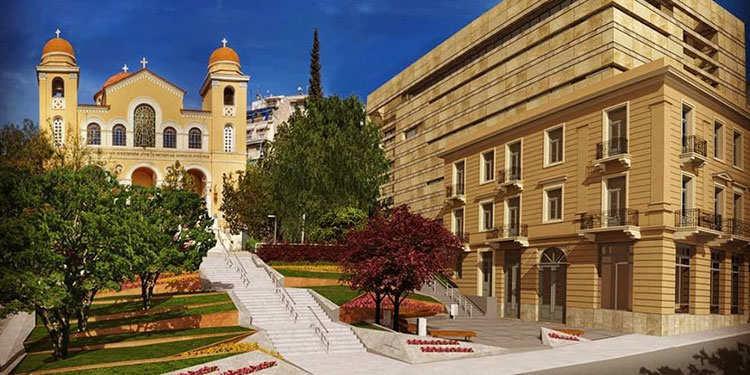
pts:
pixel 316 87
pixel 247 202
pixel 335 224
pixel 179 178
pixel 23 147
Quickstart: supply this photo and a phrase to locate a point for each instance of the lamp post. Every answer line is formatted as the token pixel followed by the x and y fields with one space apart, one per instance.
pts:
pixel 274 226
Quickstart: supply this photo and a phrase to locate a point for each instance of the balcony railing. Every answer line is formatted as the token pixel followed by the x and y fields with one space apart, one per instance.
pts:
pixel 453 191
pixel 609 218
pixel 508 231
pixel 612 147
pixel 464 237
pixel 694 144
pixel 509 174
pixel 695 217
pixel 737 227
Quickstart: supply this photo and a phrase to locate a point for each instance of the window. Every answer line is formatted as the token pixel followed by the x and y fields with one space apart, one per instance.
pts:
pixel 513 161
pixel 737 206
pixel 487 210
pixel 229 95
pixel 144 117
pixel 687 124
pixel 616 212
pixel 170 138
pixel 513 217
pixel 459 169
pixel 118 135
pixel 458 222
pixel 389 135
pixel 488 166
pixel 553 203
pixel 615 271
pixel 682 279
pixel 616 132
pixel 718 202
pixel 737 150
pixel 715 281
pixel 228 138
pixel 718 140
pixel 57 131
pixel 735 300
pixel 93 134
pixel 411 132
pixel 686 196
pixel 58 88
pixel 195 140
pixel 553 146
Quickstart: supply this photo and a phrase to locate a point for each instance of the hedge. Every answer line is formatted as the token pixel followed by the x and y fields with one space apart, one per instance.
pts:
pixel 300 253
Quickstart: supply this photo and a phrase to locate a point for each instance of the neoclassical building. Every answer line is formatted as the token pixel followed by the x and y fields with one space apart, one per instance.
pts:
pixel 138 122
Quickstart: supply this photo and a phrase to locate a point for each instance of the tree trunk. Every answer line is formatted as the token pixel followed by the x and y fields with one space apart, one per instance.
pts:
pixel 58 328
pixel 83 311
pixel 396 304
pixel 378 307
pixel 148 282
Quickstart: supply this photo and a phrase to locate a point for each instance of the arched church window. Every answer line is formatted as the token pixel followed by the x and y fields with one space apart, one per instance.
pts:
pixel 228 138
pixel 58 87
pixel 229 95
pixel 57 131
pixel 170 138
pixel 119 135
pixel 144 118
pixel 93 134
pixel 195 138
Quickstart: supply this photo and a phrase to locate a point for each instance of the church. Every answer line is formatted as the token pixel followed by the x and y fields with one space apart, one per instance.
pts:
pixel 138 123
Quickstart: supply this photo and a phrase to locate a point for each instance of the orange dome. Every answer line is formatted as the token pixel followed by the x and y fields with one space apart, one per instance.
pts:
pixel 58 45
pixel 224 54
pixel 115 78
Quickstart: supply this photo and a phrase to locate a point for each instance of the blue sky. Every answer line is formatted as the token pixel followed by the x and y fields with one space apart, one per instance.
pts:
pixel 363 42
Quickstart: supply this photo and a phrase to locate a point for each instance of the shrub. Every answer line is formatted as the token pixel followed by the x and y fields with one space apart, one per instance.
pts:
pixel 300 253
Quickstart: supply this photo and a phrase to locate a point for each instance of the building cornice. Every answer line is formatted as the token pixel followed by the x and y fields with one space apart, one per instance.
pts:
pixel 221 77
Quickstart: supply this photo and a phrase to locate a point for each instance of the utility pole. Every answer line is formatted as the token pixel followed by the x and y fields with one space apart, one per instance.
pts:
pixel 303 228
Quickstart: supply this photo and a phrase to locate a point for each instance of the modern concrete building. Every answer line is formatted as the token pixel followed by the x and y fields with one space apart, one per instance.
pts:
pixel 591 153
pixel 265 116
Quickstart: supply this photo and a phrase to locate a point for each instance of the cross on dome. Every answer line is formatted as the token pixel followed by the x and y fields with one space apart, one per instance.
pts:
pixel 144 62
pixel 125 68
pixel 57 32
pixel 224 42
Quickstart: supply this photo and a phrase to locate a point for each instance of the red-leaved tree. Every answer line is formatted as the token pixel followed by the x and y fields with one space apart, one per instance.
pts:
pixel 394 255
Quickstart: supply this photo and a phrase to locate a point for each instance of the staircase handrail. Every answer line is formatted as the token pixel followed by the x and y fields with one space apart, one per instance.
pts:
pixel 454 295
pixel 288 301
pixel 319 328
pixel 228 254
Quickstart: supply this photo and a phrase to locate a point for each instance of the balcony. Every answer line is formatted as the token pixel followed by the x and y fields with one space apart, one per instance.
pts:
pixel 517 234
pixel 455 193
pixel 623 221
pixel 612 153
pixel 736 230
pixel 693 151
pixel 695 222
pixel 509 180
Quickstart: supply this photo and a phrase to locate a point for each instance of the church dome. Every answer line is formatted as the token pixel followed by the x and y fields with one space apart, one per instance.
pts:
pixel 58 45
pixel 223 54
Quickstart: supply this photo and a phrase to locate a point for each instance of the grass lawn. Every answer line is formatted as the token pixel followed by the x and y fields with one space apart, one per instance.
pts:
pixel 368 326
pixel 37 362
pixel 338 294
pixel 44 344
pixel 152 368
pixel 422 297
pixel 309 274
pixel 169 301
pixel 229 306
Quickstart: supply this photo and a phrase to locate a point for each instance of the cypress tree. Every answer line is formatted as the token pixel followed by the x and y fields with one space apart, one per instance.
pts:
pixel 316 88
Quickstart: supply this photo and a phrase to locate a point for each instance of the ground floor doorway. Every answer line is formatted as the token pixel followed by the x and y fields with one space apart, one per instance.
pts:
pixel 552 285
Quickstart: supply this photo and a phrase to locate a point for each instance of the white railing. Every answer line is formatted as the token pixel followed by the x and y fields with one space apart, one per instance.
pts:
pixel 232 260
pixel 453 294
pixel 288 302
pixel 320 329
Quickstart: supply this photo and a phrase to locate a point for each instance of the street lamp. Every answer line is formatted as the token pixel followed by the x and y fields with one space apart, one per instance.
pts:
pixel 274 226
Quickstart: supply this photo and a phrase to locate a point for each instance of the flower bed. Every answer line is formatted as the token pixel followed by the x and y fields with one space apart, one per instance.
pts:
pixel 300 253
pixel 238 347
pixel 363 308
pixel 201 371
pixel 431 342
pixel 445 349
pixel 250 369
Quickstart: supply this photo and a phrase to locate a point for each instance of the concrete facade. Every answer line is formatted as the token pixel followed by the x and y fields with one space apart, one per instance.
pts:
pixel 264 118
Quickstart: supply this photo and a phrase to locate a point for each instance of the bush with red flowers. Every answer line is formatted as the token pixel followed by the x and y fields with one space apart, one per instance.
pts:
pixel 363 308
pixel 250 369
pixel 287 252
pixel 445 349
pixel 201 371
pixel 431 342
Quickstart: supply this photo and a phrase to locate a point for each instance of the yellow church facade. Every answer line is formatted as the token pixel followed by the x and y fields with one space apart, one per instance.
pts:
pixel 138 124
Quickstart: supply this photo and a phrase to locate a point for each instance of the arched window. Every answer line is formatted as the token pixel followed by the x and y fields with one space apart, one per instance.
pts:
pixel 228 138
pixel 144 118
pixel 195 140
pixel 553 256
pixel 229 95
pixel 119 135
pixel 93 134
pixel 170 138
pixel 57 131
pixel 58 88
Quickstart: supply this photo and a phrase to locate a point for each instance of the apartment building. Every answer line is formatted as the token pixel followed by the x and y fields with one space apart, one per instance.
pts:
pixel 264 117
pixel 592 156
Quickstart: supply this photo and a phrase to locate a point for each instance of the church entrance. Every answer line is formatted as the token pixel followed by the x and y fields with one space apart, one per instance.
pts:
pixel 143 176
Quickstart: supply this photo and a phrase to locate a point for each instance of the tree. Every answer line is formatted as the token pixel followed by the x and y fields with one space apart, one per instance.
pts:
pixel 335 224
pixel 177 177
pixel 397 254
pixel 172 233
pixel 246 201
pixel 315 91
pixel 24 147
pixel 321 160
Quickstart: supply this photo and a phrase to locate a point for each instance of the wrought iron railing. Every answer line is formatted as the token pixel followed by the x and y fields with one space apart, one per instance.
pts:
pixel 509 174
pixel 694 144
pixel 509 231
pixel 609 218
pixel 737 227
pixel 455 190
pixel 612 147
pixel 695 217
